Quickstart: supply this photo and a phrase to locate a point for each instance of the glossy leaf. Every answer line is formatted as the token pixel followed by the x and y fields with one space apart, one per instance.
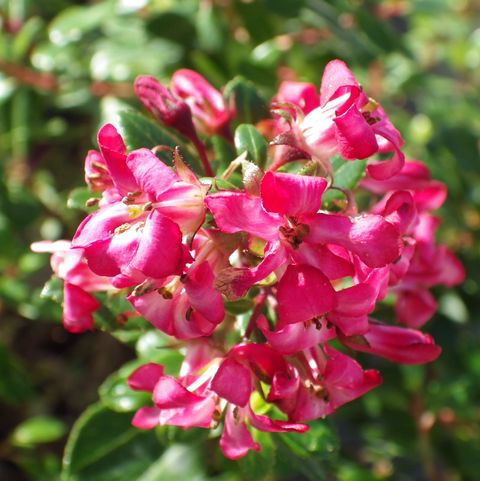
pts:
pixel 248 139
pixel 103 445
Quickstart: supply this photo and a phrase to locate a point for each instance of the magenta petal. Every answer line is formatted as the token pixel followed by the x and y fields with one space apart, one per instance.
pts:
pixel 233 382
pixel 198 415
pixel 264 423
pixel 296 337
pixel 356 300
pixel 384 169
pixel 371 237
pixel 304 293
pixel 345 378
pixel 336 77
pixel 169 393
pixel 159 253
pixel 145 377
pixel 355 137
pixel 321 257
pixel 349 325
pixel 114 152
pixel 236 440
pixel 397 344
pixel 266 361
pixel 99 261
pixel 101 224
pixel 78 308
pixel 146 418
pixel 237 212
pixel 291 194
pixel 201 294
pixel 151 174
pixel 301 94
pixel 415 307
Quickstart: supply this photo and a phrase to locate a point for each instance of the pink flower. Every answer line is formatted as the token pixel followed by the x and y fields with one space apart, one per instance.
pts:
pixel 300 94
pixel 210 112
pixel 79 282
pixel 329 380
pixel 199 399
pixel 348 123
pixel 285 216
pixel 397 344
pixel 415 177
pixel 166 107
pixel 122 239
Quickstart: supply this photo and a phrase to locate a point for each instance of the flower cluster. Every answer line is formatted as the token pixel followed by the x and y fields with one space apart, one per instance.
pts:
pixel 185 249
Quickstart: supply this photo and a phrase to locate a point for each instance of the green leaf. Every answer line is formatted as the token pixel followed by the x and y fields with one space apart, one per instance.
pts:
pixel 154 346
pixel 117 395
pixel 104 446
pixel 24 39
pixel 223 150
pixel 53 290
pixel 249 139
pixel 347 174
pixel 139 131
pixel 250 106
pixel 72 23
pixel 179 463
pixel 38 430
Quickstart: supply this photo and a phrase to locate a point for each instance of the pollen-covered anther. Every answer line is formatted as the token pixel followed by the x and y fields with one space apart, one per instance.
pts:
pixel 122 228
pixel 130 197
pixel 316 389
pixel 92 202
pixel 148 206
pixel 144 288
pixel 95 176
pixel 165 292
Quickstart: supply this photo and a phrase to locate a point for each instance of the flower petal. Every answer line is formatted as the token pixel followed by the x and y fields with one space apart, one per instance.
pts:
pixel 397 344
pixel 145 377
pixel 146 418
pixel 371 237
pixel 296 337
pixel 169 393
pixel 238 212
pixel 236 439
pixel 233 382
pixel 414 307
pixel 114 152
pixel 304 293
pixel 355 137
pixel 291 194
pixel 159 253
pixel 201 294
pixel 78 308
pixel 151 174
pixel 336 78
pixel 301 94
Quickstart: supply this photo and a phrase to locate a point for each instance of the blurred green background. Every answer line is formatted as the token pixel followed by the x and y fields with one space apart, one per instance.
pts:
pixel 66 67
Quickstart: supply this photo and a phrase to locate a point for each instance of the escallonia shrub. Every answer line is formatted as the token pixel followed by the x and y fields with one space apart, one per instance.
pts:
pixel 278 228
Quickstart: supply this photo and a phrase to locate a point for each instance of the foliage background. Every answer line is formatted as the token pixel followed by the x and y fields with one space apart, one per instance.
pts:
pixel 68 66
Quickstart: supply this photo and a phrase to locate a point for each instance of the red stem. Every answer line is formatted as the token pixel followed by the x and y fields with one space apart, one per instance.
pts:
pixel 203 157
